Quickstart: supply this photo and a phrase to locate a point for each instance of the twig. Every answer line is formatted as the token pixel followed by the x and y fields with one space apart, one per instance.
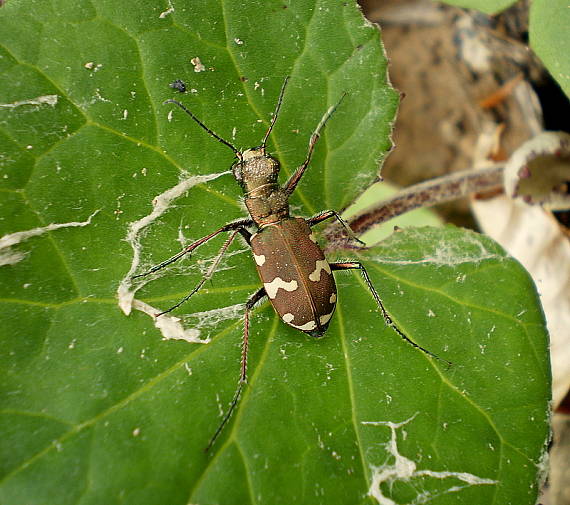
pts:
pixel 425 194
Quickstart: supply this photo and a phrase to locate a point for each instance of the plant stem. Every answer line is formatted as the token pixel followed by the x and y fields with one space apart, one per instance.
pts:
pixel 425 194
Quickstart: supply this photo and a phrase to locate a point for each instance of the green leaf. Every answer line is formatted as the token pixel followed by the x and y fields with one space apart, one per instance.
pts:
pixel 96 408
pixel 549 38
pixel 487 6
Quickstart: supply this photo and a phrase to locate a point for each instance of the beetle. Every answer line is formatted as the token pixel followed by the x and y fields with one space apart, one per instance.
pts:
pixel 296 276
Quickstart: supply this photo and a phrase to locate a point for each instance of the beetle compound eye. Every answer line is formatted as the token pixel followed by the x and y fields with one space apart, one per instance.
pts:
pixel 237 170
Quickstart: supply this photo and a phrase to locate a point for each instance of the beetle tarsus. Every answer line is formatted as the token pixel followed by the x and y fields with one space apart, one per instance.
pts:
pixel 253 299
pixel 209 273
pixel 240 225
pixel 327 214
pixel 356 265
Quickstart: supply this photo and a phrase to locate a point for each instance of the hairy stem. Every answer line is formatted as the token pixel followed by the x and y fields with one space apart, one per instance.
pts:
pixel 425 194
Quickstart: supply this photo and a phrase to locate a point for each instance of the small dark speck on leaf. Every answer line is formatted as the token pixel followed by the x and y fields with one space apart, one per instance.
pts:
pixel 178 85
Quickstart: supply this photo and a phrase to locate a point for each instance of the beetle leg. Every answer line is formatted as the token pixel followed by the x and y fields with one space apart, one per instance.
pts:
pixel 291 184
pixel 353 265
pixel 327 214
pixel 213 267
pixel 253 299
pixel 239 225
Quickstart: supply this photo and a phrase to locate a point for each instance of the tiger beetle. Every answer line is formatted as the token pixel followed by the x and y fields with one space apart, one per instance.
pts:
pixel 295 274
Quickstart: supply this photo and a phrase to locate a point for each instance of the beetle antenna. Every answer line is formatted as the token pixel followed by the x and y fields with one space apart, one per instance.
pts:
pixel 275 113
pixel 213 134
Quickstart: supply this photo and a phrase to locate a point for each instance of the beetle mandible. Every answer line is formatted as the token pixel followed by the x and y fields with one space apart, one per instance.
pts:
pixel 295 274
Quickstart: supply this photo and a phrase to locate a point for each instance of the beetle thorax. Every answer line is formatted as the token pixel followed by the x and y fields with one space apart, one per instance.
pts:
pixel 257 173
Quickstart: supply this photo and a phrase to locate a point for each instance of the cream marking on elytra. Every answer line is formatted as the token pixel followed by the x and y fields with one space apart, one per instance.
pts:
pixel 311 325
pixel 169 326
pixel 326 318
pixel 404 469
pixel 332 299
pixel 313 238
pixel 9 256
pixel 272 287
pixel 319 266
pixel 287 318
pixel 260 260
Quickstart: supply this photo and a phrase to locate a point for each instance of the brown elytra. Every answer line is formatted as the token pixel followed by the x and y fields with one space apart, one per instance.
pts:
pixel 295 274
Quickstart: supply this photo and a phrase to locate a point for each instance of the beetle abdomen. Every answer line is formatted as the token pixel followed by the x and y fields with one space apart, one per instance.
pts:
pixel 295 274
